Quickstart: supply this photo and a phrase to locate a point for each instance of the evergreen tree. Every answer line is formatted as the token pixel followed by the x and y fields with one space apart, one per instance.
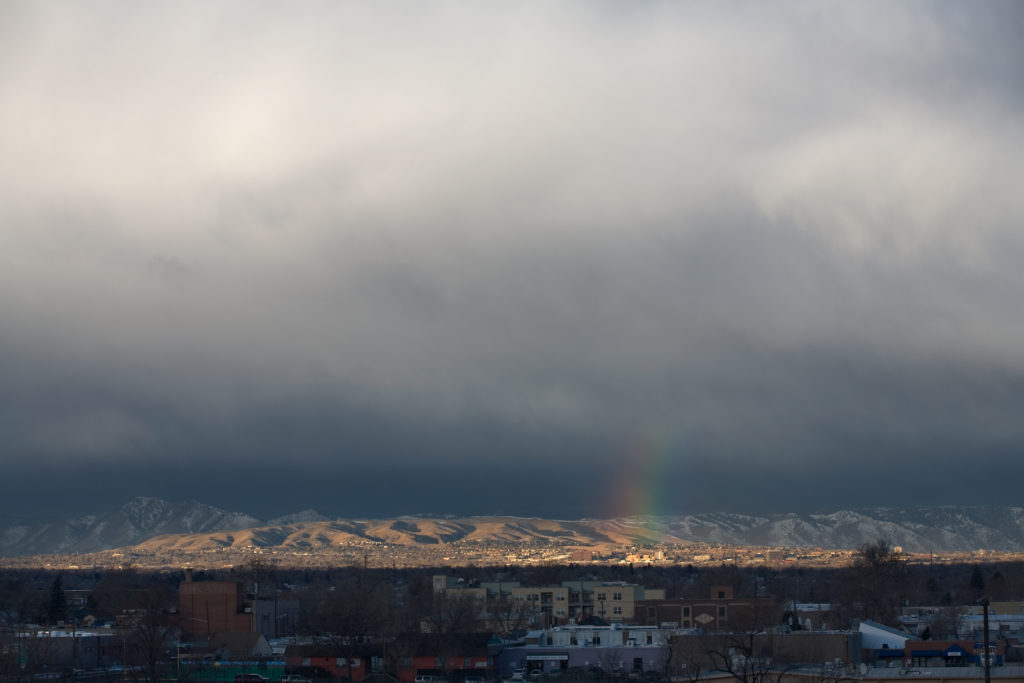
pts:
pixel 58 610
pixel 977 580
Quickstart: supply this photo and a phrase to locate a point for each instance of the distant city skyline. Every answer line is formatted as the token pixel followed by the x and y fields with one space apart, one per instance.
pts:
pixel 573 260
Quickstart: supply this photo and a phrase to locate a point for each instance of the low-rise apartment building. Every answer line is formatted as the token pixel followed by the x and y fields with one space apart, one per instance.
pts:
pixel 576 601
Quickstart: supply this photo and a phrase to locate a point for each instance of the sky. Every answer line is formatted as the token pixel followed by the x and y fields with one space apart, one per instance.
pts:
pixel 569 259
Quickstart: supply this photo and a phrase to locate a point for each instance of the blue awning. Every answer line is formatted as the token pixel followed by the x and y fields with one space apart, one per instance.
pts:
pixel 955 651
pixel 926 653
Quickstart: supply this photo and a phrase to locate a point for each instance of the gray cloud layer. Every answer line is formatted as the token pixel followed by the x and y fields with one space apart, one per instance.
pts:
pixel 454 236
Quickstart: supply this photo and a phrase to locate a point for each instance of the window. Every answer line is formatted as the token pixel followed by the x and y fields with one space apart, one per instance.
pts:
pixel 602 596
pixel 616 596
pixel 686 611
pixel 721 612
pixel 721 595
pixel 616 610
pixel 560 596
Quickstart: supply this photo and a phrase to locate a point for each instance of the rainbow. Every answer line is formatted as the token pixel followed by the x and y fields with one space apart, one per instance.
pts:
pixel 641 485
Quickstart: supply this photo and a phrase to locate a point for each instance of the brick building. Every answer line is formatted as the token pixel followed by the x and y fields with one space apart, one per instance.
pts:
pixel 452 655
pixel 319 660
pixel 209 607
pixel 720 611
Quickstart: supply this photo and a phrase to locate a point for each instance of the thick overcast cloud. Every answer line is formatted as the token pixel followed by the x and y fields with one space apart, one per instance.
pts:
pixel 465 257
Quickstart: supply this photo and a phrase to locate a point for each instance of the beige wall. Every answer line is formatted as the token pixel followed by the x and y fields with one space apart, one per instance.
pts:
pixel 617 602
pixel 553 600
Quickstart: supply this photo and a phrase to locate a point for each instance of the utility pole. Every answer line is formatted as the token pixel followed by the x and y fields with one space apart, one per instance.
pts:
pixel 988 664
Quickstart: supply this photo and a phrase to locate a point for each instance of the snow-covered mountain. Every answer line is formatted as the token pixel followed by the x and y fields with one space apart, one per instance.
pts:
pixel 299 517
pixel 160 524
pixel 917 529
pixel 138 520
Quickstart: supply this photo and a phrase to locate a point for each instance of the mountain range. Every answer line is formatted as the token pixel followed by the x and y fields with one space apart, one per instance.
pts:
pixel 151 523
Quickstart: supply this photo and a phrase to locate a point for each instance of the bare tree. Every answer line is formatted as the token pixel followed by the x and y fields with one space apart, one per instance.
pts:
pixel 746 656
pixel 36 654
pixel 878 557
pixel 875 582
pixel 452 616
pixel 257 575
pixel 943 623
pixel 21 602
pixel 610 662
pixel 746 652
pixel 148 630
pixel 684 659
pixel 349 615
pixel 453 613
pixel 511 617
pixel 112 593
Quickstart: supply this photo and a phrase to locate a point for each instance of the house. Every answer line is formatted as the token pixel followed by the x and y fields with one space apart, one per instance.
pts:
pixel 240 645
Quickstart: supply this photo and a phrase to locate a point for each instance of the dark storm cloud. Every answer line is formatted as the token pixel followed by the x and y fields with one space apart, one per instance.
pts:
pixel 467 244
